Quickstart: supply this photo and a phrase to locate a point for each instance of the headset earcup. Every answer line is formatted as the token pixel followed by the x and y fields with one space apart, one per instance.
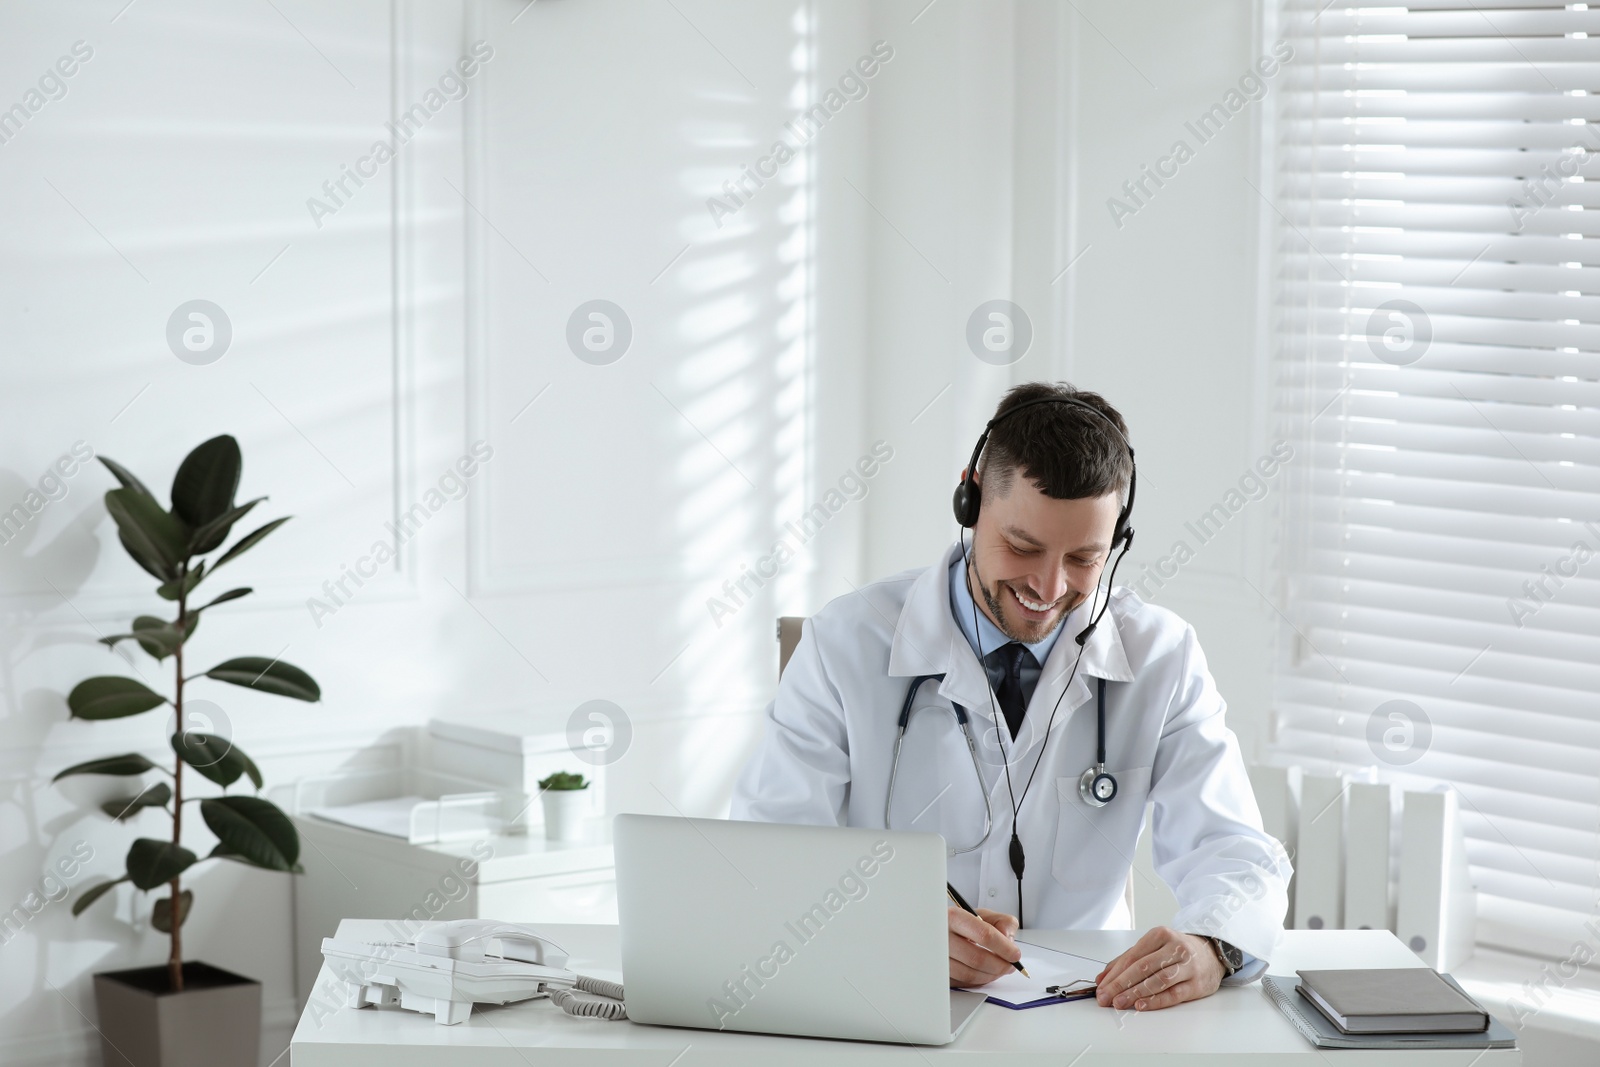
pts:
pixel 968 498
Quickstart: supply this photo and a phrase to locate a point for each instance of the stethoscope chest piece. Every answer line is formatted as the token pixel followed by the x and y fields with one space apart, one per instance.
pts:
pixel 1096 787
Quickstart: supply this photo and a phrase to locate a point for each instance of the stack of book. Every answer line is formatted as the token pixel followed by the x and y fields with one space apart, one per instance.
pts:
pixel 1404 1007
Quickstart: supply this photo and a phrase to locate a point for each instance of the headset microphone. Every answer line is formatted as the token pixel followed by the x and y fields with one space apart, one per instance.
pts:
pixel 1127 543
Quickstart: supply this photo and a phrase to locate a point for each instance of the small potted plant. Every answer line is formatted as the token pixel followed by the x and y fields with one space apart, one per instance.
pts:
pixel 184 1013
pixel 566 803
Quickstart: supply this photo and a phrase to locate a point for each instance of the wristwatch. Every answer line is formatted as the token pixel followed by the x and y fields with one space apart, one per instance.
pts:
pixel 1232 959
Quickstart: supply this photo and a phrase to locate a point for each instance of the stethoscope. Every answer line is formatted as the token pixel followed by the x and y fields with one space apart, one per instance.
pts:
pixel 1097 786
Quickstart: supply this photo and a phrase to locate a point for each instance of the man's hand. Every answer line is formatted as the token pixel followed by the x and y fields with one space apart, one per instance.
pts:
pixel 1163 968
pixel 981 948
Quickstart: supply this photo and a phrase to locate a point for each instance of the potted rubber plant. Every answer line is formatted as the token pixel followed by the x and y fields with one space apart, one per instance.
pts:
pixel 185 1012
pixel 566 802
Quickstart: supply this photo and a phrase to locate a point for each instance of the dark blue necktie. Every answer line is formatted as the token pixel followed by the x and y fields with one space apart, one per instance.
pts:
pixel 1004 667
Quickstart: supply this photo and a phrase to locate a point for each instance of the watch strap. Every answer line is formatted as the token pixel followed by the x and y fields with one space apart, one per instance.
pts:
pixel 1230 956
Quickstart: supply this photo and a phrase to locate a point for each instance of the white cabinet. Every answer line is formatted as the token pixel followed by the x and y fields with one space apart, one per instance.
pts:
pixel 576 897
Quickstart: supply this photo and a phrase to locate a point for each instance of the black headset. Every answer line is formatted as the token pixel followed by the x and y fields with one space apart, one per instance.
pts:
pixel 1097 787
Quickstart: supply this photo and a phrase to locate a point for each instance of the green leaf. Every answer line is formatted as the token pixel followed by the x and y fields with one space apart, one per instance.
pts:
pixel 154 797
pixel 154 538
pixel 153 565
pixel 158 637
pixel 221 853
pixel 563 780
pixel 206 481
pixel 131 763
pixel 125 476
pixel 170 590
pixel 270 676
pixel 252 830
pixel 215 757
pixel 94 893
pixel 232 594
pixel 213 533
pixel 111 642
pixel 152 862
pixel 249 540
pixel 111 697
pixel 161 914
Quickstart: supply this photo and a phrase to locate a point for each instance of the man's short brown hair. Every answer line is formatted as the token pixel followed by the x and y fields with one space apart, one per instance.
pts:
pixel 1069 451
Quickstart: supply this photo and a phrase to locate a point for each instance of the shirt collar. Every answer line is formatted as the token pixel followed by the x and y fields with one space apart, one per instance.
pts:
pixel 987 637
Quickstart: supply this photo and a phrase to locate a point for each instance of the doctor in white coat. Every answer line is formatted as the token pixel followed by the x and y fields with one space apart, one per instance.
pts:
pixel 1041 829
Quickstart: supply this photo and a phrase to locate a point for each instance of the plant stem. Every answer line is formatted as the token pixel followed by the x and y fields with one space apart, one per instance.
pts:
pixel 176 916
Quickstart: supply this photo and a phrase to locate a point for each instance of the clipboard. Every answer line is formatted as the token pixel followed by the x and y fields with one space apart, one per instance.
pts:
pixel 1059 994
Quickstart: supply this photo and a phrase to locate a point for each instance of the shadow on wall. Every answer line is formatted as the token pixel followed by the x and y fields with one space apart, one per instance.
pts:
pixel 45 561
pixel 40 573
pixel 743 359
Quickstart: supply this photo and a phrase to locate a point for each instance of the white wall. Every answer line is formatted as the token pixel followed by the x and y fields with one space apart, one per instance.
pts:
pixel 1160 314
pixel 826 314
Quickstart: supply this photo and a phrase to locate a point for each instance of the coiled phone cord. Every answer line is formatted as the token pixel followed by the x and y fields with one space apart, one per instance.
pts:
pixel 609 1006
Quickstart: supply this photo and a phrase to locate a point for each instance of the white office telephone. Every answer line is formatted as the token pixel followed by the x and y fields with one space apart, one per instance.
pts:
pixel 451 966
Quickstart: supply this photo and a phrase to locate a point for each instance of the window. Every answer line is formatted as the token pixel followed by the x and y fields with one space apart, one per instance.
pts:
pixel 1437 365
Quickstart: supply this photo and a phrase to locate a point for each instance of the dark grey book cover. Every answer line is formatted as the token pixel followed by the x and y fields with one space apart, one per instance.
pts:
pixel 1375 1000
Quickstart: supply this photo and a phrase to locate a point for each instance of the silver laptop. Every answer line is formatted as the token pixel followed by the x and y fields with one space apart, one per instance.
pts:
pixel 778 929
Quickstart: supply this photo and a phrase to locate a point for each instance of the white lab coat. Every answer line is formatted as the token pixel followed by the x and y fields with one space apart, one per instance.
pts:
pixel 829 738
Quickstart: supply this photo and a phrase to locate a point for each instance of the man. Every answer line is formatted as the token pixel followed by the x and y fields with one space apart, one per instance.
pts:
pixel 1033 835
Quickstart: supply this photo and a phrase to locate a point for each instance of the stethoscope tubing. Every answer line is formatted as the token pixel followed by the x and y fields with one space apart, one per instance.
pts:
pixel 1092 784
pixel 965 722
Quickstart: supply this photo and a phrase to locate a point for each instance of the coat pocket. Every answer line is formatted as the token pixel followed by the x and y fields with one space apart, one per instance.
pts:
pixel 1094 846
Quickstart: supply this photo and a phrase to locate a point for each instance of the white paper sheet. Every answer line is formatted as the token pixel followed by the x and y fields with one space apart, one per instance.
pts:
pixel 1046 967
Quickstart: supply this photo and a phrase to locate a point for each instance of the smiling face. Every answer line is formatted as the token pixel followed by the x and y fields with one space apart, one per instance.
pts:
pixel 1035 558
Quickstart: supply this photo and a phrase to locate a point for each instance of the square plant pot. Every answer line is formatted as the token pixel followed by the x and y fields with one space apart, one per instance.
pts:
pixel 214 1022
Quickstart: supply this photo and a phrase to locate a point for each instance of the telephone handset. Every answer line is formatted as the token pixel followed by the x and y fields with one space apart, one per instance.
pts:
pixel 475 939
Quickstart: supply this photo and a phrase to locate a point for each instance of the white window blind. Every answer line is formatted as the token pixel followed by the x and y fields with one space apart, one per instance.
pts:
pixel 1437 361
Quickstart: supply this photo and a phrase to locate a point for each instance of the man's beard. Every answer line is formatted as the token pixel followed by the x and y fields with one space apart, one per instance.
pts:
pixel 1004 627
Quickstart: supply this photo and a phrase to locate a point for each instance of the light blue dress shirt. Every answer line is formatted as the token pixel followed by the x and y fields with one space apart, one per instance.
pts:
pixel 987 637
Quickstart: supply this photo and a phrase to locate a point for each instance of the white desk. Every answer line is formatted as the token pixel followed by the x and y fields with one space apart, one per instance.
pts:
pixel 1236 1024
